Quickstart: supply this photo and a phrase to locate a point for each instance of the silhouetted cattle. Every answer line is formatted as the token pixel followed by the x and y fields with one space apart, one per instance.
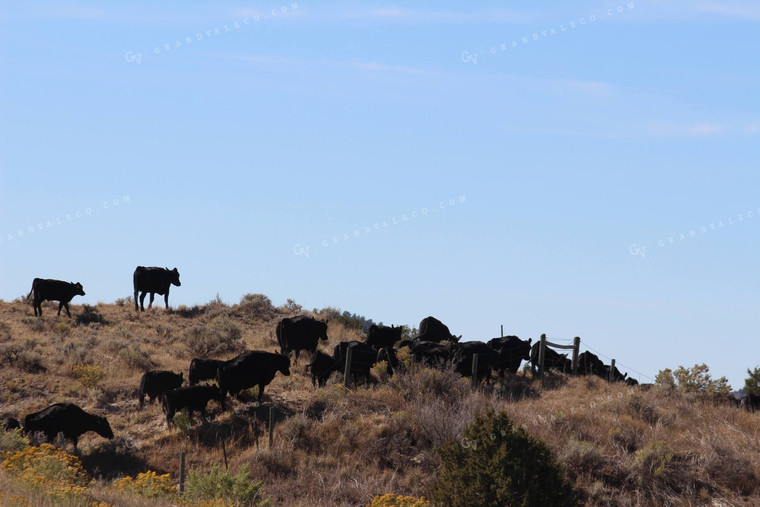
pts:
pixel 53 290
pixel 363 358
pixel 9 423
pixel 156 382
pixel 389 355
pixel 383 336
pixel 154 281
pixel 510 351
pixel 430 353
pixel 552 359
pixel 251 368
pixel 750 402
pixel 433 330
pixel 322 366
pixel 590 364
pixel 463 354
pixel 631 381
pixel 300 333
pixel 69 419
pixel 193 398
pixel 203 369
pixel 616 375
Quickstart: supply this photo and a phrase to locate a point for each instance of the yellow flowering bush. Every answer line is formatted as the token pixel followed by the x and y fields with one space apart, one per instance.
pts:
pixel 148 484
pixel 88 374
pixel 49 470
pixel 391 500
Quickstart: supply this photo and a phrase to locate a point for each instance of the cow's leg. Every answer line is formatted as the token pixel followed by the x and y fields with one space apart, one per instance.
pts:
pixel 166 299
pixel 37 305
pixel 169 418
pixel 60 305
pixel 261 392
pixel 142 301
pixel 65 305
pixel 297 352
pixel 136 307
pixel 152 295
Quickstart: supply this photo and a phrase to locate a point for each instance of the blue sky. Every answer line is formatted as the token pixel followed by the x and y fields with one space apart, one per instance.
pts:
pixel 484 164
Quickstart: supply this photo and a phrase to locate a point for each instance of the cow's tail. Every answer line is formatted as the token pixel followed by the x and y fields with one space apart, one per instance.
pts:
pixel 28 296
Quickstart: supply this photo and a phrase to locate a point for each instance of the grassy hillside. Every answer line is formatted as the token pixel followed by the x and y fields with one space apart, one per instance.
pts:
pixel 618 445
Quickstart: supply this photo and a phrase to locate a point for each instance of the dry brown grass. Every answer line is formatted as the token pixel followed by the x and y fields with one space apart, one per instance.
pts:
pixel 332 446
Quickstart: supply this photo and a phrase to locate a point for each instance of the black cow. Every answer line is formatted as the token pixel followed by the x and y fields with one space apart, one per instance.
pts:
pixel 300 333
pixel 462 358
pixel 750 402
pixel 433 330
pixel 156 281
pixel 430 353
pixel 630 381
pixel 552 359
pixel 9 423
pixel 69 419
pixel 53 290
pixel 322 366
pixel 616 375
pixel 510 351
pixel 251 368
pixel 383 337
pixel 193 398
pixel 155 383
pixel 203 369
pixel 590 364
pixel 363 358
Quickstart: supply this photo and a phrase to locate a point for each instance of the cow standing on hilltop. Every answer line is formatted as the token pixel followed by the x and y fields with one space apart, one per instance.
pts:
pixel 300 333
pixel 433 330
pixel 383 337
pixel 53 290
pixel 248 369
pixel 156 281
pixel 68 419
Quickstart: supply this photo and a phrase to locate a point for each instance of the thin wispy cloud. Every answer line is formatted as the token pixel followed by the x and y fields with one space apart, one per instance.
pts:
pixel 699 129
pixel 748 11
pixel 428 16
pixel 346 64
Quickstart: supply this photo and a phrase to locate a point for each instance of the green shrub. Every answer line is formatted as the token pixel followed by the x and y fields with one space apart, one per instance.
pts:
pixel 220 484
pixel 11 441
pixel 90 315
pixel 256 306
pixel 220 336
pixel 498 463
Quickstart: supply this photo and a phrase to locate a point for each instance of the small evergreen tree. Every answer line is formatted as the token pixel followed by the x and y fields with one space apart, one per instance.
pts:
pixel 752 383
pixel 498 463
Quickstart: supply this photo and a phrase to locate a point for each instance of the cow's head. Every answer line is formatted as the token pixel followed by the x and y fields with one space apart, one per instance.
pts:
pixel 174 276
pixel 103 428
pixel 284 364
pixel 79 290
pixel 323 329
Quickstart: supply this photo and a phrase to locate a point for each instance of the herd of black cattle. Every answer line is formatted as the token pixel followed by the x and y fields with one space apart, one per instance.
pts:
pixel 435 346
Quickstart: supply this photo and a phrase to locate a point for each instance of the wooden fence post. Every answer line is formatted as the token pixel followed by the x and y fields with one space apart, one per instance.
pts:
pixel 181 472
pixel 502 330
pixel 541 355
pixel 271 426
pixel 576 350
pixel 347 371
pixel 612 371
pixel 474 370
